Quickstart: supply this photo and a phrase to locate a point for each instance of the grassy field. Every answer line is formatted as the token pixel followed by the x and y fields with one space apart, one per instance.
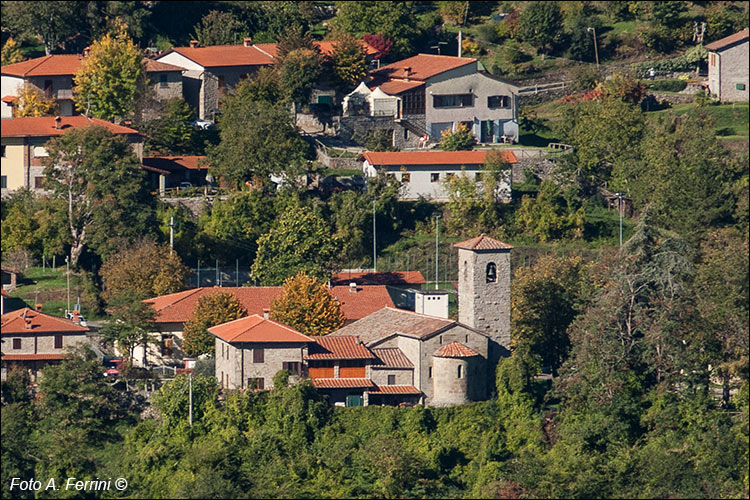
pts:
pixel 730 120
pixel 48 287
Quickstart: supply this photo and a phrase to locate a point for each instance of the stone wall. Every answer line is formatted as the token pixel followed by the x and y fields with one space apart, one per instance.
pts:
pixel 734 70
pixel 354 129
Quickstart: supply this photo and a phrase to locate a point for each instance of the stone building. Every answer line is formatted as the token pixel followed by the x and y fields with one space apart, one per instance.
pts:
pixel 32 340
pixel 728 67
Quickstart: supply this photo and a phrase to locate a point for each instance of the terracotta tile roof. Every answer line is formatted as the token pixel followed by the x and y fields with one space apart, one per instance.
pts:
pixel 9 269
pixel 326 48
pixel 52 65
pixel 10 99
pixel 382 278
pixel 403 158
pixel 388 321
pixel 255 328
pixel 225 55
pixel 67 64
pixel 44 126
pixel 421 67
pixel 268 48
pixel 343 347
pixel 342 383
pixel 396 389
pixel 391 357
pixel 719 45
pixel 158 66
pixel 14 322
pixel 395 86
pixel 483 242
pixel 4 293
pixel 455 350
pixel 178 307
pixel 175 163
pixel 32 357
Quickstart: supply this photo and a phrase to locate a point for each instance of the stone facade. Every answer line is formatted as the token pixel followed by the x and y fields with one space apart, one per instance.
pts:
pixel 235 366
pixel 42 343
pixel 728 72
pixel 484 304
pixel 457 381
pixel 356 128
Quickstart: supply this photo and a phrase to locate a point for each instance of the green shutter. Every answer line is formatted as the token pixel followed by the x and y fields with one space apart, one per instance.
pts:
pixel 740 86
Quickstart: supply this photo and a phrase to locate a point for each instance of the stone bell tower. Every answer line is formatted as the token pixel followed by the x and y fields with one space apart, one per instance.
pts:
pixel 484 287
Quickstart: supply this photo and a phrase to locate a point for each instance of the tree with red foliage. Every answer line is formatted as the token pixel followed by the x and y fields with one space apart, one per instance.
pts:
pixel 381 43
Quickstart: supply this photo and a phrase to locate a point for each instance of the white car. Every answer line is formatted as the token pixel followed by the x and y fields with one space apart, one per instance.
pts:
pixel 203 124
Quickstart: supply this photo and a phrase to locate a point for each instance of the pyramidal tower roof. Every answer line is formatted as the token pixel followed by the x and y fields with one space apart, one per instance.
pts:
pixel 482 242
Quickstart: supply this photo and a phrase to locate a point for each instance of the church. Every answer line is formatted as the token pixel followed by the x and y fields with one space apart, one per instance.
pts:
pixel 390 356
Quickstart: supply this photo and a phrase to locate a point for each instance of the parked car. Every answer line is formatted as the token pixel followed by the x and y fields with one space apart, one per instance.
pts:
pixel 185 185
pixel 113 365
pixel 203 124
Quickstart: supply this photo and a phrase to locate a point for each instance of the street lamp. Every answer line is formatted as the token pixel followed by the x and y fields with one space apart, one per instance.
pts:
pixel 619 207
pixel 437 216
pixel 596 52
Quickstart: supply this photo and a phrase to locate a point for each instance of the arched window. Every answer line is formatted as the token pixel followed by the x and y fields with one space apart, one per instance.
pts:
pixel 491 273
pixel 460 371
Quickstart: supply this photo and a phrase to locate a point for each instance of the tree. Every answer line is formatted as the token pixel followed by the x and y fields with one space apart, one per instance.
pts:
pixel 460 139
pixel 53 22
pixel 130 325
pixel 545 301
pixel 146 270
pixel 219 28
pixel 379 42
pixel 32 102
pixel 349 60
pixel 11 53
pixel 172 133
pixel 52 236
pixel 108 80
pixel 306 305
pixel 551 215
pixel 453 12
pixel 298 74
pixel 262 86
pixel 101 179
pixel 542 25
pixel 257 140
pixel 298 241
pixel 294 38
pixel 173 400
pixel 212 309
pixel 667 14
pixel 395 20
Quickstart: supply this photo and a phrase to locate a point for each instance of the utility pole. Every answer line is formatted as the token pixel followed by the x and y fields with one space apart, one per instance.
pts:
pixel 237 272
pixel 67 274
pixel 190 404
pixel 619 207
pixel 198 285
pixel 596 51
pixel 374 240
pixel 171 234
pixel 460 43
pixel 437 216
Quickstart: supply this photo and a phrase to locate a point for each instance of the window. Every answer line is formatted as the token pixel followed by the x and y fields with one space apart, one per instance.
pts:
pixel 491 273
pixel 4 181
pixel 163 80
pixel 478 177
pixel 221 84
pixel 258 355
pixel 740 86
pixel 434 177
pixel 38 182
pixel 713 59
pixel 39 152
pixel 406 134
pixel 390 176
pixel 391 380
pixel 293 367
pixel 498 101
pixel 405 178
pixel 255 384
pixel 222 350
pixel 453 101
pixel 450 176
pixel 16 343
pixel 48 88
pixel 166 346
pixel 429 372
pixel 58 341
pixel 3 151
pixel 441 339
pixel 460 371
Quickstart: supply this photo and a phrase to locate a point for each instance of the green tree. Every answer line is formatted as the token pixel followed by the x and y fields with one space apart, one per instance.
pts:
pixel 460 139
pixel 262 86
pixel 17 452
pixel 545 301
pixel 395 20
pixel 212 309
pixel 52 236
pixel 219 28
pixel 349 60
pixel 146 269
pixel 52 22
pixel 173 400
pixel 130 324
pixel 541 25
pixel 106 84
pixel 306 305
pixel 551 215
pixel 101 179
pixel 298 241
pixel 172 133
pixel 257 140
pixel 298 74
pixel 294 38
pixel 11 53
pixel 18 230
pixel 667 14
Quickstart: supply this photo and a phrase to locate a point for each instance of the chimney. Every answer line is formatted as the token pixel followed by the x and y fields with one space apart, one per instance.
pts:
pixel 27 321
pixel 38 307
pixel 193 44
pixel 352 287
pixel 86 51
pixel 407 72
pixel 247 42
pixel 76 316
pixel 357 341
pixel 58 123
pixel 266 313
pixel 128 123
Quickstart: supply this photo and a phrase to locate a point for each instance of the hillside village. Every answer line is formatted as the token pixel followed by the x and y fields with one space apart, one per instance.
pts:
pixel 375 249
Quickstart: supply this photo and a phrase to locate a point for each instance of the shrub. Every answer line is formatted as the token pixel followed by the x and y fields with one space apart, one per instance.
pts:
pixel 671 85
